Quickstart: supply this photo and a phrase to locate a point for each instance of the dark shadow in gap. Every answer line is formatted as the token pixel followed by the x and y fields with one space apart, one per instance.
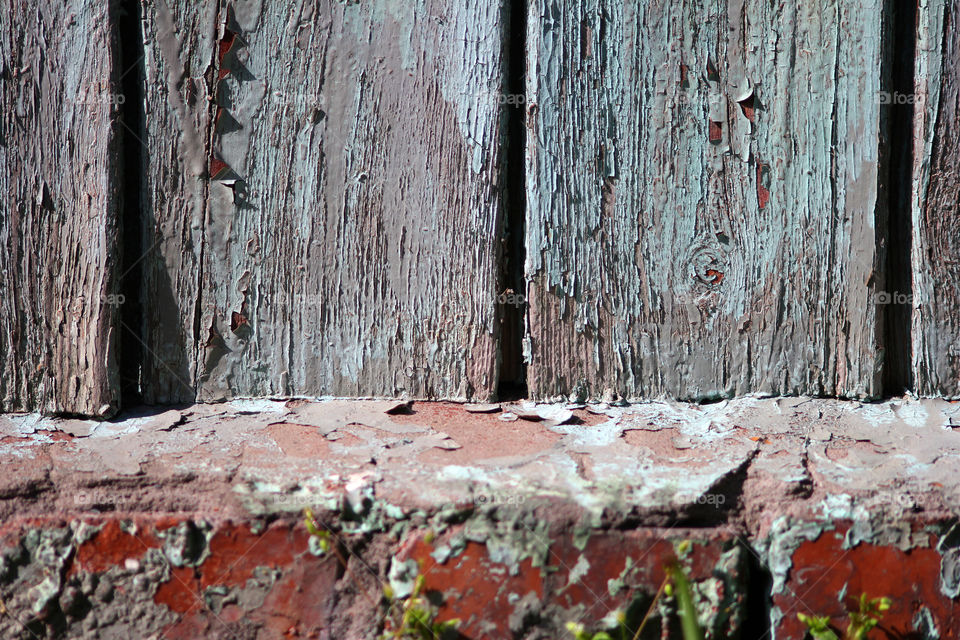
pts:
pixel 895 305
pixel 511 299
pixel 150 337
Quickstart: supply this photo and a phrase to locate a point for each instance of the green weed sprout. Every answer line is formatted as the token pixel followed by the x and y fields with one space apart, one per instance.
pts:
pixel 861 622
pixel 411 617
pixel 675 583
pixel 414 617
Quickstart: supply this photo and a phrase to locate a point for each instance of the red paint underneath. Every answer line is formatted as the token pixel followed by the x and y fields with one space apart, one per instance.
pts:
pixel 716 131
pixel 763 194
pixel 112 546
pixel 481 592
pixel 822 570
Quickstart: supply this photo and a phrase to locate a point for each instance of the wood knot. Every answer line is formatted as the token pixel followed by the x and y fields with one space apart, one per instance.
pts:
pixel 708 266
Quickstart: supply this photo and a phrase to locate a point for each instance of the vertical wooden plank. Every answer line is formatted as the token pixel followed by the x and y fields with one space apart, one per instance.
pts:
pixel 350 231
pixel 180 73
pixel 58 207
pixel 703 211
pixel 936 201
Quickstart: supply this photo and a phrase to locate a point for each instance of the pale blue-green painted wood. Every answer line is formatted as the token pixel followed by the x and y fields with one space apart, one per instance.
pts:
pixel 349 243
pixel 59 192
pixel 936 201
pixel 677 247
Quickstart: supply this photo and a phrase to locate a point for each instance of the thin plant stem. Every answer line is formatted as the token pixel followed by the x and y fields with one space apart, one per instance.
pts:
pixel 656 598
pixel 346 566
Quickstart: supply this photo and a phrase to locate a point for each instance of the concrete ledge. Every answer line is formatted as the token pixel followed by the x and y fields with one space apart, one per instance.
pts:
pixel 192 516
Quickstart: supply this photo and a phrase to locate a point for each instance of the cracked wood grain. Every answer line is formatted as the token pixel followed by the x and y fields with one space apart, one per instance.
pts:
pixel 703 210
pixel 322 215
pixel 58 207
pixel 179 60
pixel 936 202
pixel 345 236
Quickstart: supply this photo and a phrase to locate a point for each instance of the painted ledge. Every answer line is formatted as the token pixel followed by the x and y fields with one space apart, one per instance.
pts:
pixel 533 512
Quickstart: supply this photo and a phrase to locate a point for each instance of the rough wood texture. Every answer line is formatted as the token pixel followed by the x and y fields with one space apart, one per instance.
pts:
pixel 936 202
pixel 179 64
pixel 703 198
pixel 58 207
pixel 346 240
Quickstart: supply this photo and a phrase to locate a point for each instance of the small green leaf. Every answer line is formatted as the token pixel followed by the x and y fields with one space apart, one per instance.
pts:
pixel 688 613
pixel 579 633
pixel 310 521
pixel 819 626
pixel 447 625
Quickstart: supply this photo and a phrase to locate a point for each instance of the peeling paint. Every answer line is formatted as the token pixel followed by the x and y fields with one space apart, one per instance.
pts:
pixel 791 477
pixel 949 549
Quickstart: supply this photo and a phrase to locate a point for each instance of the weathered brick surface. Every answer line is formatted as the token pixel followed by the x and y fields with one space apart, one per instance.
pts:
pixel 503 578
pixel 188 522
pixel 563 576
pixel 914 564
pixel 195 579
pixel 504 572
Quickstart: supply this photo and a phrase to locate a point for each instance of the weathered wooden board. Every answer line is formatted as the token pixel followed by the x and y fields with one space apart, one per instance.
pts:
pixel 58 207
pixel 703 212
pixel 180 71
pixel 346 240
pixel 936 201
